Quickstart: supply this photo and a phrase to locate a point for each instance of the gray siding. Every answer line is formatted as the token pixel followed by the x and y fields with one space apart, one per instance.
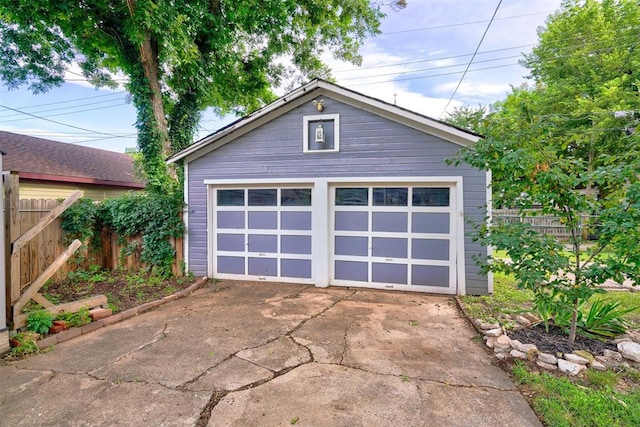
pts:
pixel 370 145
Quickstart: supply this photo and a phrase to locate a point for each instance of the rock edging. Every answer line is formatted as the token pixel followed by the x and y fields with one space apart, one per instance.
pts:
pixel 110 320
pixel 574 363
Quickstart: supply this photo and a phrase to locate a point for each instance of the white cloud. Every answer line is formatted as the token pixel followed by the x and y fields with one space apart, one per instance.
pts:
pixel 474 89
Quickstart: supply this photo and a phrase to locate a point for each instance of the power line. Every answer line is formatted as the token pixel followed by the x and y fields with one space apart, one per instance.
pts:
pixel 460 24
pixel 474 55
pixel 56 122
pixel 70 107
pixel 72 100
pixel 64 114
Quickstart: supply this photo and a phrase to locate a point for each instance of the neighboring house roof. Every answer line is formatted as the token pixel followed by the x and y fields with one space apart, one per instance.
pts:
pixel 46 160
pixel 319 87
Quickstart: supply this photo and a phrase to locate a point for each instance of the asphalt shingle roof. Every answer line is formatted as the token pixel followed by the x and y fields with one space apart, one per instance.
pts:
pixel 32 155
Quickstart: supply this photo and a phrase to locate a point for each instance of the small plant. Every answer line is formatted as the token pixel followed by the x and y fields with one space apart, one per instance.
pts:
pixel 40 321
pixel 75 319
pixel 603 320
pixel 27 346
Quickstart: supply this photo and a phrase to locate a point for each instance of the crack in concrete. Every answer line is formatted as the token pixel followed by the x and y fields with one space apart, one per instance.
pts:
pixel 218 395
pixel 346 342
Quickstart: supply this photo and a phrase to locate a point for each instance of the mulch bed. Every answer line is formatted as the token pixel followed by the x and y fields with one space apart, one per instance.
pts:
pixel 556 341
pixel 124 291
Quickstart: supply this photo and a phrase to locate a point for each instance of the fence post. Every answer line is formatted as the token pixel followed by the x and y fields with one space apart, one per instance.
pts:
pixel 12 231
pixel 4 331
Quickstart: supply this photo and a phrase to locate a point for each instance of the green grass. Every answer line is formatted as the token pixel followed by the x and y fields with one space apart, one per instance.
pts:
pixel 506 298
pixel 593 401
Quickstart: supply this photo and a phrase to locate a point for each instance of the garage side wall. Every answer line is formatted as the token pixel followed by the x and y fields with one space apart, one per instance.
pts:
pixel 370 146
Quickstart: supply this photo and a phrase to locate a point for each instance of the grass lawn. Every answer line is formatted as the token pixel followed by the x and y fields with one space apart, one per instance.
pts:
pixel 610 398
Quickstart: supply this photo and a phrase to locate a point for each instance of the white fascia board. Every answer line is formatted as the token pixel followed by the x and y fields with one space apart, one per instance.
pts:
pixel 285 101
pixel 401 115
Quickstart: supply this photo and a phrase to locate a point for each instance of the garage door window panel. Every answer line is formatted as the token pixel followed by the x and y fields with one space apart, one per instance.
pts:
pixel 391 222
pixel 295 221
pixel 427 196
pixel 390 196
pixel 233 220
pixel 295 245
pixel 430 275
pixel 263 220
pixel 231 265
pixel 263 243
pixel 295 268
pixel 430 222
pixel 351 221
pixel 263 266
pixel 295 197
pixel 350 245
pixel 352 196
pixel 433 249
pixel 388 247
pixel 351 270
pixel 263 197
pixel 230 198
pixel 231 242
pixel 389 273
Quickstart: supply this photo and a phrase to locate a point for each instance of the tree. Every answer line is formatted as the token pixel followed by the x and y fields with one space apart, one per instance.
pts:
pixel 180 56
pixel 468 118
pixel 551 144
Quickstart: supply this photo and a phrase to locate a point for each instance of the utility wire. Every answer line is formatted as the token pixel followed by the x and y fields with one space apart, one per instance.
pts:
pixel 56 122
pixel 471 61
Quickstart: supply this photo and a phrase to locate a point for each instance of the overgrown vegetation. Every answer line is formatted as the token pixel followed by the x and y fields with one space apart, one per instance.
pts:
pixel 600 399
pixel 566 147
pixel 152 217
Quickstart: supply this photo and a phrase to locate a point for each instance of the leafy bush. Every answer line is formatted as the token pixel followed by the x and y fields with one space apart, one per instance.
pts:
pixel 153 216
pixel 40 321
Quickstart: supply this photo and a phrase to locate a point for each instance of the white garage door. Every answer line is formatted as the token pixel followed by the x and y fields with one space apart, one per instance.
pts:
pixel 394 237
pixel 263 234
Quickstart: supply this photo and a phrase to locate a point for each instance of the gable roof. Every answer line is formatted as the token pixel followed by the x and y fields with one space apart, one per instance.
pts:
pixel 46 160
pixel 313 89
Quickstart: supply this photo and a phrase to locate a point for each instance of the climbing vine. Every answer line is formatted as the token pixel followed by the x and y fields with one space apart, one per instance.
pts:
pixel 151 216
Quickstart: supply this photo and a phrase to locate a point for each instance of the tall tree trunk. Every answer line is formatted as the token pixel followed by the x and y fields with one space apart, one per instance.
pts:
pixel 148 50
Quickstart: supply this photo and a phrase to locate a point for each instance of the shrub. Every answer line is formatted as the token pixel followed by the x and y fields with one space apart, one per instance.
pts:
pixel 40 321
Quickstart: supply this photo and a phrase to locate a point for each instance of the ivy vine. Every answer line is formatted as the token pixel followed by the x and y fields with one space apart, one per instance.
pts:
pixel 152 216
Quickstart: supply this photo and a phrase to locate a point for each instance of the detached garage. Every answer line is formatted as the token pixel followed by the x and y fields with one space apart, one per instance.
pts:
pixel 329 187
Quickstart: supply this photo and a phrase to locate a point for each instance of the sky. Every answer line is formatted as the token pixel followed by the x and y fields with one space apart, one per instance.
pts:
pixel 432 57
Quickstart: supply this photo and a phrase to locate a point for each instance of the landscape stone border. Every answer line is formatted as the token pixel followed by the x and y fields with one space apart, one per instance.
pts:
pixel 496 338
pixel 115 318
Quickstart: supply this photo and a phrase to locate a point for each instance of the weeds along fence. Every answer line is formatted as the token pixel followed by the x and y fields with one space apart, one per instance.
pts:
pixel 47 245
pixel 549 225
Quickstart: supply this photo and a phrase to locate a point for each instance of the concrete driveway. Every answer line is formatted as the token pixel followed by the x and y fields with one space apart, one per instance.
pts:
pixel 258 354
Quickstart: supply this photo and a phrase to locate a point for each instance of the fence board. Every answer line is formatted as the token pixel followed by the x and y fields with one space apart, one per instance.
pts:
pixel 549 225
pixel 41 251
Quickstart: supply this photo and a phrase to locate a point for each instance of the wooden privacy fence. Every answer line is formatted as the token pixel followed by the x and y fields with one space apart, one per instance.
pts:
pixel 545 224
pixel 40 252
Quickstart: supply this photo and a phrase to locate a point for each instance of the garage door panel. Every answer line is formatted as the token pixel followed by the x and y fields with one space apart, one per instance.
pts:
pixel 231 242
pixel 295 220
pixel 230 220
pixel 390 222
pixel 389 247
pixel 430 275
pixel 295 245
pixel 263 266
pixel 351 221
pixel 263 243
pixel 352 270
pixel 430 249
pixel 263 220
pixel 230 265
pixel 398 236
pixel 263 233
pixel 389 273
pixel 438 222
pixel 295 268
pixel 350 245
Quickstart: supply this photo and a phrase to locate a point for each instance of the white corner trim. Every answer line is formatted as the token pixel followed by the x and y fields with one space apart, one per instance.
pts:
pixel 185 219
pixel 335 118
pixel 489 196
